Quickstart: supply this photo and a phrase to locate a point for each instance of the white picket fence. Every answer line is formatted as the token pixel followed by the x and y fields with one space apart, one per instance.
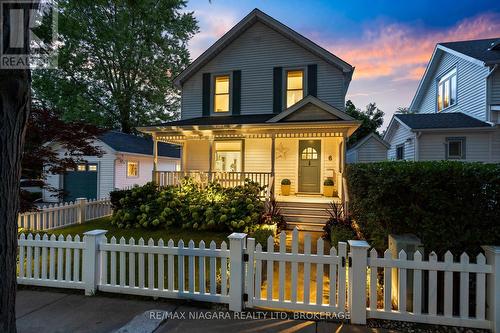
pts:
pixel 63 214
pixel 244 275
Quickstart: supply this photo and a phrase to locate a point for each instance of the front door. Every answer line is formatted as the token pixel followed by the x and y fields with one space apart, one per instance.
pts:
pixel 309 165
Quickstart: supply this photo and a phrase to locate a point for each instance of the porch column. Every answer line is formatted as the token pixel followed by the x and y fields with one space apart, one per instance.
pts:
pixel 273 153
pixel 155 158
pixel 183 156
pixel 273 162
pixel 210 154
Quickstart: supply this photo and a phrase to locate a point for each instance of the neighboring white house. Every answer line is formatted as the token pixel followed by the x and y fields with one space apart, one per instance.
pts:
pixel 369 149
pixel 455 112
pixel 127 161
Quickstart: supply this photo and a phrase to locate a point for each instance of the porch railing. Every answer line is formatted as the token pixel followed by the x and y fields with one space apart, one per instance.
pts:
pixel 225 179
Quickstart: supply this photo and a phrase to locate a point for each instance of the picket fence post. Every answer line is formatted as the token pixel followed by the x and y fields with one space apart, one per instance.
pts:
pixel 81 204
pixel 92 260
pixel 236 270
pixel 493 286
pixel 357 283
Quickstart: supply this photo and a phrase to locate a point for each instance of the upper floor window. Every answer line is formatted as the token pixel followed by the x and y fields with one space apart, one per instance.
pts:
pixel 400 152
pixel 294 86
pixel 221 93
pixel 447 90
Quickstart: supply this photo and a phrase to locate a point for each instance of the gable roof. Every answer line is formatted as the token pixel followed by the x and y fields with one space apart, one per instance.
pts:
pixel 258 16
pixel 479 49
pixel 479 52
pixel 419 121
pixel 371 136
pixel 315 101
pixel 128 143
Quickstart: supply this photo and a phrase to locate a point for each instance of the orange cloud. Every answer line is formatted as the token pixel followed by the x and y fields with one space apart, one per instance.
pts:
pixel 402 52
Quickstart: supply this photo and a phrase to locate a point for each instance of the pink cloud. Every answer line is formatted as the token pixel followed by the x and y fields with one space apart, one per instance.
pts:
pixel 402 51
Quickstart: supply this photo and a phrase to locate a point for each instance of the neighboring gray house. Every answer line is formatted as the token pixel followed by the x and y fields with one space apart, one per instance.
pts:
pixel 369 149
pixel 455 111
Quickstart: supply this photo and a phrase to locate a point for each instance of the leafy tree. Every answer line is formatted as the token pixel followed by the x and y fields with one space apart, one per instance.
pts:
pixel 404 110
pixel 117 61
pixel 371 119
pixel 39 158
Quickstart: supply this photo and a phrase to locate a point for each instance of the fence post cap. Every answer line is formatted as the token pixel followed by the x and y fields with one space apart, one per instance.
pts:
pixel 491 248
pixel 358 243
pixel 237 235
pixel 96 232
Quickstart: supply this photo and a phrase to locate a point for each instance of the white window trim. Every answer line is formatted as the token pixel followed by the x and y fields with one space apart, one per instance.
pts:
pixel 463 142
pixel 448 74
pixel 242 150
pixel 285 82
pixel 212 94
pixel 138 168
pixel 401 145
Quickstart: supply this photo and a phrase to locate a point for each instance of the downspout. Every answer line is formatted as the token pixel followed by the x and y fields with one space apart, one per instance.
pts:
pixel 416 147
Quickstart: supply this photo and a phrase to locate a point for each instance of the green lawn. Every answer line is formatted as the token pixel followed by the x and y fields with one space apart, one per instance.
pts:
pixel 171 233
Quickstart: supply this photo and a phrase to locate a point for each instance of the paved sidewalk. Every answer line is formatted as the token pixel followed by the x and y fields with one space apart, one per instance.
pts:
pixel 56 312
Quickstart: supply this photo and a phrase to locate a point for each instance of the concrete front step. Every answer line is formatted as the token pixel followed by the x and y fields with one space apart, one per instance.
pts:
pixel 290 204
pixel 301 226
pixel 320 212
pixel 305 218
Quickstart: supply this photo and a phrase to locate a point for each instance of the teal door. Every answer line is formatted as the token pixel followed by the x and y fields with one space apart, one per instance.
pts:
pixel 309 165
pixel 81 183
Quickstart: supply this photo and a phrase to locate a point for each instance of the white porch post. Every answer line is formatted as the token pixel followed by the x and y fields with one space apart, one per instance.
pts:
pixel 155 157
pixel 210 154
pixel 273 163
pixel 184 156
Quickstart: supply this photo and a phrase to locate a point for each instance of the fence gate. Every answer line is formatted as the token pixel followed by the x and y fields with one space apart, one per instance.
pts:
pixel 296 280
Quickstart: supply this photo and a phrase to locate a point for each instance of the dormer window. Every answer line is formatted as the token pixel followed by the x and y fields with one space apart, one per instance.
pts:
pixel 221 93
pixel 447 90
pixel 294 86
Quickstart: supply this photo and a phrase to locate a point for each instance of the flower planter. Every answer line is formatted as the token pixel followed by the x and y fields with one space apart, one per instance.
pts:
pixel 328 190
pixel 285 189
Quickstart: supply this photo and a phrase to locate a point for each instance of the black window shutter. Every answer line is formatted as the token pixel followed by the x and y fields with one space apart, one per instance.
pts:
pixel 312 80
pixel 206 95
pixel 236 92
pixel 277 89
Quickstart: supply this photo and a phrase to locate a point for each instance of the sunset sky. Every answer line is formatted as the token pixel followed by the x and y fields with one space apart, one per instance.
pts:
pixel 389 42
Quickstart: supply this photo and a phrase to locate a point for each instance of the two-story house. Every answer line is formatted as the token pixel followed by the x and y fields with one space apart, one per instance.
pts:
pixel 455 113
pixel 262 103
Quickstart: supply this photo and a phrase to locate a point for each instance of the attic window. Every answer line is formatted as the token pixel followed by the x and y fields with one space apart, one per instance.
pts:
pixel 447 90
pixel 294 86
pixel 221 96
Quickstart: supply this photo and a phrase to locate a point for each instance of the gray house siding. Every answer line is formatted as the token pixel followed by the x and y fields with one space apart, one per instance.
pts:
pixel 401 136
pixel 432 146
pixel 372 151
pixel 256 52
pixel 495 87
pixel 471 87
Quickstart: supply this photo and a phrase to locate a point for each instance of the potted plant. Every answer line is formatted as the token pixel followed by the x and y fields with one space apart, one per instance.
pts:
pixel 328 187
pixel 285 186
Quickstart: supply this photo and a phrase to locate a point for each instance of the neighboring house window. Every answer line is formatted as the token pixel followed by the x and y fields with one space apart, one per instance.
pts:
pixel 400 152
pixel 92 167
pixel 228 156
pixel 132 169
pixel 294 86
pixel 447 90
pixel 221 93
pixel 455 148
pixel 81 167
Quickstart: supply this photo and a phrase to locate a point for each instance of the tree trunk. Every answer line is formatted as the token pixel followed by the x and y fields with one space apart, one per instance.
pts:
pixel 15 105
pixel 15 99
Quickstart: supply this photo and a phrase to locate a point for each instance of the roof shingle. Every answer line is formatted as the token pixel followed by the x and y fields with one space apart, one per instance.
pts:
pixel 440 120
pixel 477 49
pixel 129 143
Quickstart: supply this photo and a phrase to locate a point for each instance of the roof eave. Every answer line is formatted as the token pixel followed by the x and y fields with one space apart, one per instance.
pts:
pixel 454 129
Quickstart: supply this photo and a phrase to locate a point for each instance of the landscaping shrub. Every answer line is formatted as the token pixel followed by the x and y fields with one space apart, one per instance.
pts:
pixel 116 196
pixel 338 228
pixel 192 207
pixel 448 205
pixel 262 233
